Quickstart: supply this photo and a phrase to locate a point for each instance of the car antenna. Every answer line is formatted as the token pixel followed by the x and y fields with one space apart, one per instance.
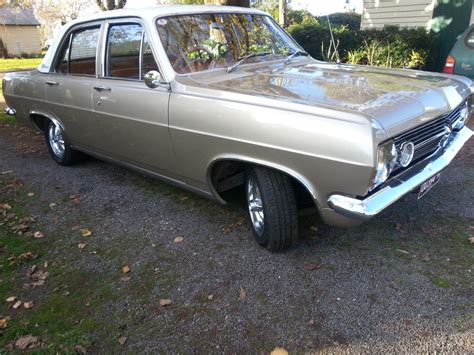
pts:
pixel 338 59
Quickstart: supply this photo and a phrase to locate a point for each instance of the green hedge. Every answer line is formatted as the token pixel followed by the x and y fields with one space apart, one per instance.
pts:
pixel 391 46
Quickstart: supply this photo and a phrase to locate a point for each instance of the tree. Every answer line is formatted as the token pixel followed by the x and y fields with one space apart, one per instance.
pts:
pixel 282 13
pixel 106 5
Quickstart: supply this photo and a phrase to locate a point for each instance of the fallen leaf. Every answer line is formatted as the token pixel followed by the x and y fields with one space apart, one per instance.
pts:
pixel 11 299
pixel 27 342
pixel 28 305
pixel 122 340
pixel 31 194
pixel 38 235
pixel 178 239
pixel 17 305
pixel 165 302
pixel 7 172
pixel 402 251
pixel 4 322
pixel 279 351
pixel 311 266
pixel 81 246
pixel 86 232
pixel 27 256
pixel 210 297
pixel 311 322
pixel 80 349
pixel 125 269
pixel 5 206
pixel 242 293
pixel 471 240
pixel 52 205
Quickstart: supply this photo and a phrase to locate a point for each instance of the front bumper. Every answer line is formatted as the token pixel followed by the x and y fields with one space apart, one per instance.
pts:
pixel 396 188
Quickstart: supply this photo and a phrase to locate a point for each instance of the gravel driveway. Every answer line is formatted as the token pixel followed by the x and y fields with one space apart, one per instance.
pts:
pixel 400 283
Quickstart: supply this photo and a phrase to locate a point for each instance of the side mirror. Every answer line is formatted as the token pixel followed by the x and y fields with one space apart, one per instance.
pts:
pixel 153 79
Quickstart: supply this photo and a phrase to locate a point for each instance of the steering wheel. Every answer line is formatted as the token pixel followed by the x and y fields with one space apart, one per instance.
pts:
pixel 184 61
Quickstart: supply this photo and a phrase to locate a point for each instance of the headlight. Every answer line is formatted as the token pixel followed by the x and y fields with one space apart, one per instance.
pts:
pixel 386 160
pixel 463 115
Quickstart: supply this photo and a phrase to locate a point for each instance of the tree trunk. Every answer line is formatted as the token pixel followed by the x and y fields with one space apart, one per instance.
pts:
pixel 243 3
pixel 282 13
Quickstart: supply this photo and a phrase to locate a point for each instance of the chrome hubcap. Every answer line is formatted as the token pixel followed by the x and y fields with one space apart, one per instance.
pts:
pixel 56 140
pixel 255 204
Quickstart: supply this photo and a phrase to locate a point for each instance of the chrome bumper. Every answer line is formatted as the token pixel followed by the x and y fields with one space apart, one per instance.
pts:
pixel 10 111
pixel 364 209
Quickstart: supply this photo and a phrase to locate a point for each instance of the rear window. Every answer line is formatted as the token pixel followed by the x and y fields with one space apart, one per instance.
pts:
pixel 470 39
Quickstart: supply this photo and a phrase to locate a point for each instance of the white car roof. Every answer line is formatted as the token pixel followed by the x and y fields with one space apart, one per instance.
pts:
pixel 148 14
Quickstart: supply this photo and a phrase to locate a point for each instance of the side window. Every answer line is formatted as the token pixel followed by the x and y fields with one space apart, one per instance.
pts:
pixel 83 50
pixel 129 54
pixel 78 55
pixel 123 51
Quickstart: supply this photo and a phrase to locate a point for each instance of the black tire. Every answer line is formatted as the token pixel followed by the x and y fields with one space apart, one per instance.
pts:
pixel 280 229
pixel 69 157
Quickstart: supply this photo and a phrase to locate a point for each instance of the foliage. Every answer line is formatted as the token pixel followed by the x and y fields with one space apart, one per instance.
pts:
pixel 390 47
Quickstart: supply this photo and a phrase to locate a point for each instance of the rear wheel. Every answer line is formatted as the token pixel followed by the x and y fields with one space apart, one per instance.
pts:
pixel 59 149
pixel 272 208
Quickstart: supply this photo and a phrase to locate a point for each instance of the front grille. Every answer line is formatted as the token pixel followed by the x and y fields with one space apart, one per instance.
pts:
pixel 429 136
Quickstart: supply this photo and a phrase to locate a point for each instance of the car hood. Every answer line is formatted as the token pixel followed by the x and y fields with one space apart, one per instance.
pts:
pixel 397 99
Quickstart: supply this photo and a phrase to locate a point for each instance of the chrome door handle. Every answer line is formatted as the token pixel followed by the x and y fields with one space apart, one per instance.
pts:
pixel 101 88
pixel 52 83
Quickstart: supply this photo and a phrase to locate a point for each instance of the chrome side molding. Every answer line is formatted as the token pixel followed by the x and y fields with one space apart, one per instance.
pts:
pixel 10 111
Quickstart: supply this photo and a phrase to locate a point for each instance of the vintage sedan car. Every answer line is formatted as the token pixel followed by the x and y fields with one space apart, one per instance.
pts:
pixel 216 98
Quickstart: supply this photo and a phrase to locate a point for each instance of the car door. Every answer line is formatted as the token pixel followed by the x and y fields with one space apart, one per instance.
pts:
pixel 131 120
pixel 70 84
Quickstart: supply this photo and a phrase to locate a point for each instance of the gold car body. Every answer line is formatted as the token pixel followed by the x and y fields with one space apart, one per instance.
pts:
pixel 321 123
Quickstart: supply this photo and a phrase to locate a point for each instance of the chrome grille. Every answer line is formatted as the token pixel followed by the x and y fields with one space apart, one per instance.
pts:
pixel 429 136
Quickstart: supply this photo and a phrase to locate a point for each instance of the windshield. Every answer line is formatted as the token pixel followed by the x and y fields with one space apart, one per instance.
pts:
pixel 200 42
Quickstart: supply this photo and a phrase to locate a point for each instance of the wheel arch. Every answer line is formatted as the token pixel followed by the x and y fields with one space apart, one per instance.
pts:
pixel 39 118
pixel 247 162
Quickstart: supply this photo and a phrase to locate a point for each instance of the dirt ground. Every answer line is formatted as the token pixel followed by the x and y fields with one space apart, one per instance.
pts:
pixel 166 271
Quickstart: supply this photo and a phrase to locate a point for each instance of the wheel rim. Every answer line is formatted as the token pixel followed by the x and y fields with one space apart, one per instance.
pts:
pixel 255 205
pixel 56 140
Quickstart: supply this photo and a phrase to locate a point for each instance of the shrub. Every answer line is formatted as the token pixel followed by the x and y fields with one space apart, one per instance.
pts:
pixel 390 46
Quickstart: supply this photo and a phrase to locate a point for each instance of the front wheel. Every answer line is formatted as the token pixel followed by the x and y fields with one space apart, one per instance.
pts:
pixel 272 208
pixel 59 149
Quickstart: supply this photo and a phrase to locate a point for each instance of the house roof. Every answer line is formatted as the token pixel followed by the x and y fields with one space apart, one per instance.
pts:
pixel 19 16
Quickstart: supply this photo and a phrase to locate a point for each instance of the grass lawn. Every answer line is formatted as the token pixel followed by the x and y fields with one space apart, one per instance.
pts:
pixel 16 64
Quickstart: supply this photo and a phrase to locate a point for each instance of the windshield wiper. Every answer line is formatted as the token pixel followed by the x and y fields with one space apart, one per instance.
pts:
pixel 245 58
pixel 296 54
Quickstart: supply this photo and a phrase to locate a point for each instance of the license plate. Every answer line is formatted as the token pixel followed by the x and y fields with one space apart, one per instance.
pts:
pixel 428 185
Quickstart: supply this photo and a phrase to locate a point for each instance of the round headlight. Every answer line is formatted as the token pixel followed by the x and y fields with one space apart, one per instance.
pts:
pixel 463 116
pixel 407 151
pixel 464 112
